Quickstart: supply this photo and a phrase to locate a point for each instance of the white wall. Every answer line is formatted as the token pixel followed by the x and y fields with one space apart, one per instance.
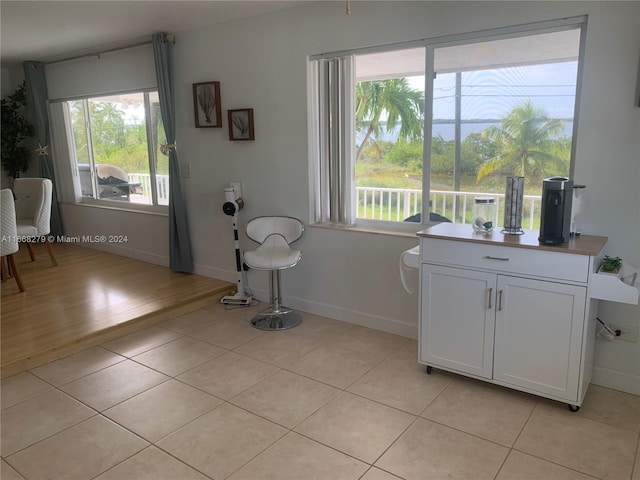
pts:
pixel 146 235
pixel 261 64
pixel 608 161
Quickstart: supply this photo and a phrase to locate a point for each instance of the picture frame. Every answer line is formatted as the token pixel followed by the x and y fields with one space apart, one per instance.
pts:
pixel 241 124
pixel 206 105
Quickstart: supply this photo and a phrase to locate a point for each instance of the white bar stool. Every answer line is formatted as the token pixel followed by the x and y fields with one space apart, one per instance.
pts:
pixel 274 234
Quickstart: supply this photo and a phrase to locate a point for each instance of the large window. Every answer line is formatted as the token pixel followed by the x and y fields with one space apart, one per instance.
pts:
pixel 116 142
pixel 437 123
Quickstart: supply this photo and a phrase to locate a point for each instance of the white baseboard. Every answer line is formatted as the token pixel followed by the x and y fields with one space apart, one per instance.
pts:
pixel 355 317
pixel 625 382
pixel 161 260
pixel 217 273
pixel 130 253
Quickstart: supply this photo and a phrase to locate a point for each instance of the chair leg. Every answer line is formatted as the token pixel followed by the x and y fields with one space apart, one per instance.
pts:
pixel 274 291
pixel 31 254
pixel 276 317
pixel 16 272
pixel 5 270
pixel 50 249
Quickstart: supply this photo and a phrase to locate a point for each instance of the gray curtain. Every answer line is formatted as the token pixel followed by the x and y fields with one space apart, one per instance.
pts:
pixel 180 257
pixel 37 100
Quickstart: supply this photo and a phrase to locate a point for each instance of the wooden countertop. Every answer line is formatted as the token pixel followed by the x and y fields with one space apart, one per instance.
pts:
pixel 590 245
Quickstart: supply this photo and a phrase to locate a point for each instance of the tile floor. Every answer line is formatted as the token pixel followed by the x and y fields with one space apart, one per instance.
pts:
pixel 207 396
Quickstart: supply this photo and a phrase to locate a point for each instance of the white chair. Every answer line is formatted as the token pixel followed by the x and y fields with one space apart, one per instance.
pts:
pixel 33 211
pixel 9 244
pixel 274 234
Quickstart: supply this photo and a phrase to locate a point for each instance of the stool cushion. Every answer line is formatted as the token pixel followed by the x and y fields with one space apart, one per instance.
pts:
pixel 273 254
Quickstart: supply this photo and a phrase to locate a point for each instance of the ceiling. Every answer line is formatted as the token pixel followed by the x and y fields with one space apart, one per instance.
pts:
pixel 51 30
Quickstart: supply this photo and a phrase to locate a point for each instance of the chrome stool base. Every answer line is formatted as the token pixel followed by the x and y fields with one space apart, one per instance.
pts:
pixel 281 319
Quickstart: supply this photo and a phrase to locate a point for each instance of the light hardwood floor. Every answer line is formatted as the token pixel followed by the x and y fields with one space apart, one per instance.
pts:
pixel 89 294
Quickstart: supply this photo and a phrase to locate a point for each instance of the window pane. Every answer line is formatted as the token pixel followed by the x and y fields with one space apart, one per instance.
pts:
pixel 119 139
pixel 389 134
pixel 501 108
pixel 78 117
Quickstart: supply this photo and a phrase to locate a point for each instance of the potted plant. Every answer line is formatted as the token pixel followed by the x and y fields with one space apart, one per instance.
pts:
pixel 610 265
pixel 15 129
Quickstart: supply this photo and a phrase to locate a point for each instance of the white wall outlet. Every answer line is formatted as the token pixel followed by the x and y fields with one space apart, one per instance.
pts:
pixel 237 187
pixel 630 334
pixel 186 170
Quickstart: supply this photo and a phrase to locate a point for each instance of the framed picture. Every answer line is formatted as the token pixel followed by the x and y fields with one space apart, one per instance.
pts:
pixel 241 124
pixel 206 105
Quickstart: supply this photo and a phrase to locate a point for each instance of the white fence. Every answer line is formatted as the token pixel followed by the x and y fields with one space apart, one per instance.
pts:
pixel 144 179
pixel 397 204
pixel 393 204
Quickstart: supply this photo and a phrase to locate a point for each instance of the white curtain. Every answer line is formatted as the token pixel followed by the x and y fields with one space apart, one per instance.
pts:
pixel 333 84
pixel 62 146
pixel 130 69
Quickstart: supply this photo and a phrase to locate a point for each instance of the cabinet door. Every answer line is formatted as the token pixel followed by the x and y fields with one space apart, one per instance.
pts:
pixel 539 335
pixel 457 319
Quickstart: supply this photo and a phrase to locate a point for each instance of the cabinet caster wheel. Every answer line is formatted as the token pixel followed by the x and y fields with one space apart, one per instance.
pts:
pixel 429 369
pixel 573 408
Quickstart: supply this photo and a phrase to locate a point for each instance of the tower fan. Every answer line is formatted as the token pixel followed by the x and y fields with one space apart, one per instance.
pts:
pixel 232 205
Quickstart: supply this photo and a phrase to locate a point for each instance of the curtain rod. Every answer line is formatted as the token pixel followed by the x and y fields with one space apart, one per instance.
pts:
pixel 101 52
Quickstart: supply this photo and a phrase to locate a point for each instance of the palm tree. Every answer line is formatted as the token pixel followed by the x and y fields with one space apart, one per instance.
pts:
pixel 76 110
pixel 397 100
pixel 107 123
pixel 524 144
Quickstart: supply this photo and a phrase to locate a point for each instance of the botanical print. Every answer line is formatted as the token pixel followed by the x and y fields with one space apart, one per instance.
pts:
pixel 241 124
pixel 206 104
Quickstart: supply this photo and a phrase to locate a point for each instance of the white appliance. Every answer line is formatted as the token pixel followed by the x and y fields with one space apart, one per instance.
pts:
pixel 409 265
pixel 232 205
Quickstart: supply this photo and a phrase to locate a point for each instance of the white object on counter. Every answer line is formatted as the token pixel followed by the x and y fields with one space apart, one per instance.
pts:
pixel 409 265
pixel 614 288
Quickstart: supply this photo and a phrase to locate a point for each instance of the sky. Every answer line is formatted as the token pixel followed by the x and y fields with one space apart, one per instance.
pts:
pixel 493 93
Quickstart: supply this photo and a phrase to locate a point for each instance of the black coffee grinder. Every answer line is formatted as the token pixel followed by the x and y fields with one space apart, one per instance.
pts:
pixel 555 219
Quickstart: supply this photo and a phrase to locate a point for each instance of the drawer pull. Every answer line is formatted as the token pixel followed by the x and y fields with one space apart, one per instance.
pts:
pixel 499 300
pixel 502 259
pixel 490 295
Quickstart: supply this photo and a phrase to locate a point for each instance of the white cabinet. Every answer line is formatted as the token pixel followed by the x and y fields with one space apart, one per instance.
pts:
pixel 518 316
pixel 538 340
pixel 457 319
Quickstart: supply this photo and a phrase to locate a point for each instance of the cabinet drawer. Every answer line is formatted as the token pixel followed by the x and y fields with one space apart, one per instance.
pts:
pixel 521 261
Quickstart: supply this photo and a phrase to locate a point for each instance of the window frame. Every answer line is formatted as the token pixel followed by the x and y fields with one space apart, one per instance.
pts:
pixel 154 207
pixel 430 45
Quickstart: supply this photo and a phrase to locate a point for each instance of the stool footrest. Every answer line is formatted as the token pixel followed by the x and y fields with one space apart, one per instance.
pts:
pixel 281 319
